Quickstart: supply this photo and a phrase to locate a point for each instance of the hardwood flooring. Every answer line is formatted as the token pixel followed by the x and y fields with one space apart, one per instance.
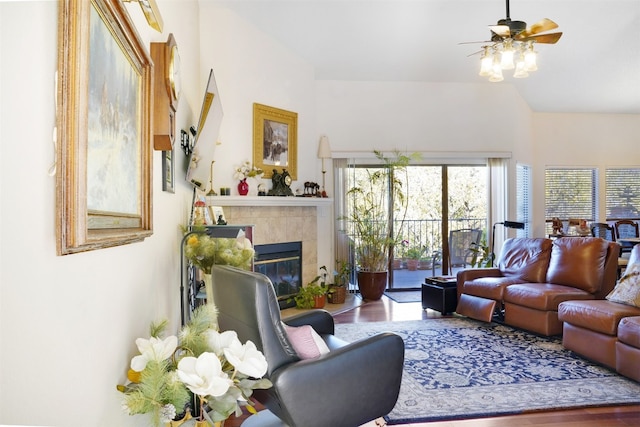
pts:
pixel 389 310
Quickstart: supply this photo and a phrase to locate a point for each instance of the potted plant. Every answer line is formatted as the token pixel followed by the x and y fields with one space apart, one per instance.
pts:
pixel 413 257
pixel 337 293
pixel 314 293
pixel 482 256
pixel 371 222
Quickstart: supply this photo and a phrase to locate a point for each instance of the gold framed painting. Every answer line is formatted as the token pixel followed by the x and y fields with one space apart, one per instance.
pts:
pixel 103 185
pixel 275 140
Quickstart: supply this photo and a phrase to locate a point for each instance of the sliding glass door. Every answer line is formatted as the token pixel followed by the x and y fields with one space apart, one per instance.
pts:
pixel 442 198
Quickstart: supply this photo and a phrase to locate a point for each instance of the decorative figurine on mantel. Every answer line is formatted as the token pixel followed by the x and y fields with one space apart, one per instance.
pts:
pixel 281 184
pixel 311 189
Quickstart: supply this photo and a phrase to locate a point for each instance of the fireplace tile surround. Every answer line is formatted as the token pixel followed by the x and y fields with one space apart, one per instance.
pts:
pixel 283 219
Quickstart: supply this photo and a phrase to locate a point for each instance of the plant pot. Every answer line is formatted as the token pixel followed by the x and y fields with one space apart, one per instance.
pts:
pixel 319 301
pixel 372 284
pixel 412 264
pixel 397 264
pixel 338 295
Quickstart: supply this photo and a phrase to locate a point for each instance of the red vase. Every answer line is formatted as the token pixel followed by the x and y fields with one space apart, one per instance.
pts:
pixel 243 187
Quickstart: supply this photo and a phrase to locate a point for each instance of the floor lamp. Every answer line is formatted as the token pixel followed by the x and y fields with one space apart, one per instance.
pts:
pixel 506 224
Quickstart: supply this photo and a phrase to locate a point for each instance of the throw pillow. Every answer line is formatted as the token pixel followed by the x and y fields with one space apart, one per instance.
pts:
pixel 306 341
pixel 627 291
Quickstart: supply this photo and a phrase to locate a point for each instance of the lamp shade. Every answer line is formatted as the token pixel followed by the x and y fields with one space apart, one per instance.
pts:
pixel 324 149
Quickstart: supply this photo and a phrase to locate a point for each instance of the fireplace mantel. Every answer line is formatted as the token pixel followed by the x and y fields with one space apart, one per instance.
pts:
pixel 270 201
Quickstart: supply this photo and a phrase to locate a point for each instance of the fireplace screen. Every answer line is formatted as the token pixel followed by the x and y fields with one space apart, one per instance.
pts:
pixel 282 263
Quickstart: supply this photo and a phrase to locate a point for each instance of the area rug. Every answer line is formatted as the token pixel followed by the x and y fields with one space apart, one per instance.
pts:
pixel 405 296
pixel 457 368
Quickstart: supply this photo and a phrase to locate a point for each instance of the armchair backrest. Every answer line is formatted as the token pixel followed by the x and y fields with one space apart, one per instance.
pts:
pixel 247 304
pixel 525 258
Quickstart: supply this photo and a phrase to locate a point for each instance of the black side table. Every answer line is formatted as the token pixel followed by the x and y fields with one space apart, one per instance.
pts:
pixel 440 294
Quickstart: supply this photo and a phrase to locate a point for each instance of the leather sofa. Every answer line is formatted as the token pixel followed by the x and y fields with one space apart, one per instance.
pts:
pixel 604 331
pixel 535 275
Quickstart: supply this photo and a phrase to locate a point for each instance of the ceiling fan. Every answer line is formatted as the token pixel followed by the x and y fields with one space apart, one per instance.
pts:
pixel 518 30
pixel 511 46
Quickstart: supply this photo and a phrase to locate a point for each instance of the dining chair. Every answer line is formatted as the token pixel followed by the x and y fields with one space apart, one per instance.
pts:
pixel 607 232
pixel 626 228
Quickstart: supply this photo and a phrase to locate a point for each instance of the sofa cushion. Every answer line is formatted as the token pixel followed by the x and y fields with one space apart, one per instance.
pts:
pixel 527 259
pixel 578 262
pixel 627 291
pixel 598 315
pixel 543 296
pixel 629 331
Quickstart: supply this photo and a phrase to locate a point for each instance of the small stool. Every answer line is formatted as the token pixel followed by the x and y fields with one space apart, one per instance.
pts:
pixel 439 293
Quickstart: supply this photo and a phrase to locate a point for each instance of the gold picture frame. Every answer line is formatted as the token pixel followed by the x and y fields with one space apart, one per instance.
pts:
pixel 103 155
pixel 275 140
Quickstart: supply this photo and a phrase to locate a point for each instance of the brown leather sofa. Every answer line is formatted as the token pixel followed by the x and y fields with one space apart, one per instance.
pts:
pixel 604 331
pixel 535 275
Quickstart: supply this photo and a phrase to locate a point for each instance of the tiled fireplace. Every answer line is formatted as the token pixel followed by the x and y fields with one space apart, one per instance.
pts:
pixel 279 220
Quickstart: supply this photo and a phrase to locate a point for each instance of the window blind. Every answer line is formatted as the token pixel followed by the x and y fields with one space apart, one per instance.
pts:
pixel 622 193
pixel 523 198
pixel 571 193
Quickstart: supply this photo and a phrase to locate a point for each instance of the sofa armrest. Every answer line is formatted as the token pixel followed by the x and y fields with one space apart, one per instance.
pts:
pixel 474 273
pixel 320 320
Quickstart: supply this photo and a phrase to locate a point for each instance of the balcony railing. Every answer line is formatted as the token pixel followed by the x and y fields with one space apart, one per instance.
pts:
pixel 427 233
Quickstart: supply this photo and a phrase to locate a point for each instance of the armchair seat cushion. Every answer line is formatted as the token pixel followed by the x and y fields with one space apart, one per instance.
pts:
pixel 543 296
pixel 598 315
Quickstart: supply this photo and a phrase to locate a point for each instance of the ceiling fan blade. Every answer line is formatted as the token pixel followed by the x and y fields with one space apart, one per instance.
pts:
pixel 541 26
pixel 476 42
pixel 501 30
pixel 550 38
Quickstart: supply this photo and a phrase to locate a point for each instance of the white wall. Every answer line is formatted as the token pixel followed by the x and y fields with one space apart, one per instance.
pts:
pixel 68 324
pixel 592 140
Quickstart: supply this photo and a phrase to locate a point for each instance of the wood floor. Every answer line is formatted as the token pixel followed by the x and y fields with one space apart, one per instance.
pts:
pixel 389 310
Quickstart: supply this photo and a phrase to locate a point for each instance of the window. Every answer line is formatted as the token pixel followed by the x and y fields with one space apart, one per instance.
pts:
pixel 622 192
pixel 570 193
pixel 523 198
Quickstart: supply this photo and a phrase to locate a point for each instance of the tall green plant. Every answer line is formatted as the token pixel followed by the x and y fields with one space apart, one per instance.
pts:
pixel 370 217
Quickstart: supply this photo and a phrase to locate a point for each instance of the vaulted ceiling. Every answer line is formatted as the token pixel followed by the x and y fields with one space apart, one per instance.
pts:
pixel 594 68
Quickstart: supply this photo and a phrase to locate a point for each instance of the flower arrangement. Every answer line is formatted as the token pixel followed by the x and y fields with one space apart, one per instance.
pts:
pixel 204 251
pixel 214 366
pixel 246 170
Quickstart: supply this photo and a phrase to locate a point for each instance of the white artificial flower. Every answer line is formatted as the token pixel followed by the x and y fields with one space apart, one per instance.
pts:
pixel 218 341
pixel 204 376
pixel 247 359
pixel 156 349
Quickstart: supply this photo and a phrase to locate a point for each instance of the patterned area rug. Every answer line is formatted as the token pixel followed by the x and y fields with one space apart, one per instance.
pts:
pixel 458 368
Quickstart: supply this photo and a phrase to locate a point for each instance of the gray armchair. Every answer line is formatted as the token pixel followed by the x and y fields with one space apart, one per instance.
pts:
pixel 352 384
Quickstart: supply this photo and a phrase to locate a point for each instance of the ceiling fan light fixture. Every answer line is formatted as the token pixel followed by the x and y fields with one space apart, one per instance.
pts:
pixel 496 73
pixel 530 58
pixel 521 71
pixel 506 55
pixel 486 62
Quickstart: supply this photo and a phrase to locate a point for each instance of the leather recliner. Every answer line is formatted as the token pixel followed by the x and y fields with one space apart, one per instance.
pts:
pixel 351 385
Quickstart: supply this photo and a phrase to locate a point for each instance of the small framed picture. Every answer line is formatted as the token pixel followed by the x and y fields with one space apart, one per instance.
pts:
pixel 168 172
